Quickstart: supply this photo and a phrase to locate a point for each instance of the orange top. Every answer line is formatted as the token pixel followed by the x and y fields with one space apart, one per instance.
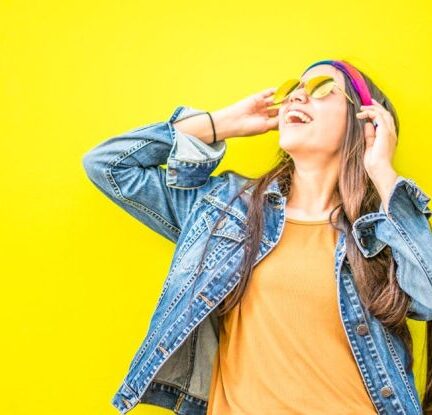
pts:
pixel 283 350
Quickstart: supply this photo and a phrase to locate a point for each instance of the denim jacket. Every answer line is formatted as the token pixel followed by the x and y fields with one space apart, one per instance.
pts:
pixel 172 367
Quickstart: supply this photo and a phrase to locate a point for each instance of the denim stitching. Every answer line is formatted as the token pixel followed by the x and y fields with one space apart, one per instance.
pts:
pixel 116 188
pixel 400 366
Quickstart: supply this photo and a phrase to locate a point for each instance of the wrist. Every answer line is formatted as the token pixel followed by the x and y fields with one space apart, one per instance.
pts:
pixel 224 124
pixel 384 170
pixel 384 180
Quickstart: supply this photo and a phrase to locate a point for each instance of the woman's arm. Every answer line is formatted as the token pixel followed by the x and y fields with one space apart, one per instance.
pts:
pixel 200 126
pixel 405 228
pixel 128 169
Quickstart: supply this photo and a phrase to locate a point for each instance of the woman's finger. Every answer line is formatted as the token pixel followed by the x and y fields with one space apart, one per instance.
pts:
pixel 378 107
pixel 369 134
pixel 382 118
pixel 269 100
pixel 268 91
pixel 273 112
pixel 273 123
pixel 386 114
pixel 379 104
pixel 375 108
pixel 376 116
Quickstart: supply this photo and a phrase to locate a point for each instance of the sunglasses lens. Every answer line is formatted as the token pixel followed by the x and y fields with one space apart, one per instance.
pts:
pixel 319 86
pixel 286 88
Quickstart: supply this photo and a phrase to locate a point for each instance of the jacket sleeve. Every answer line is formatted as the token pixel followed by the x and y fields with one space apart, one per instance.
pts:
pixel 128 169
pixel 407 231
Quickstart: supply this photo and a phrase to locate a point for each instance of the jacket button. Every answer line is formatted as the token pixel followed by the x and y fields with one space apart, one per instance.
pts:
pixel 221 224
pixel 172 172
pixel 362 329
pixel 363 241
pixel 386 391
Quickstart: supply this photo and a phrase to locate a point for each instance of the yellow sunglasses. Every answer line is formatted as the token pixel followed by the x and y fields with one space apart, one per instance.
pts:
pixel 316 87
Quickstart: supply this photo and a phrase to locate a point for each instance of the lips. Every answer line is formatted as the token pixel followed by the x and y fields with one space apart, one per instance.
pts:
pixel 295 124
pixel 296 109
pixel 295 117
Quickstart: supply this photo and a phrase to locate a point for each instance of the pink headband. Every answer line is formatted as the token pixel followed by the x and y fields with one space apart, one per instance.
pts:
pixel 356 78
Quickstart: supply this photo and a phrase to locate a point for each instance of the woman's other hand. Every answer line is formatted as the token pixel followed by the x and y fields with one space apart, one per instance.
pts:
pixel 380 142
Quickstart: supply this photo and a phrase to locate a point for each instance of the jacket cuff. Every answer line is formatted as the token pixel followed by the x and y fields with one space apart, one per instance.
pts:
pixel 406 200
pixel 191 160
pixel 407 187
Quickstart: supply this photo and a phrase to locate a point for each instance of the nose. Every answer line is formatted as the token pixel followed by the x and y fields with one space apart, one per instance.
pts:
pixel 299 94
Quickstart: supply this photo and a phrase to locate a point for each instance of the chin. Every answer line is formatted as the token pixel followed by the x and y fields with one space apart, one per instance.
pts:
pixel 288 139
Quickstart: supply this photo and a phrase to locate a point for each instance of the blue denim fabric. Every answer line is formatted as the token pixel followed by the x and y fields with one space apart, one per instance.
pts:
pixel 181 202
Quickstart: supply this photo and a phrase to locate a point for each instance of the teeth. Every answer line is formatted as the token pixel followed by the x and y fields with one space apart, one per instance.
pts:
pixel 299 114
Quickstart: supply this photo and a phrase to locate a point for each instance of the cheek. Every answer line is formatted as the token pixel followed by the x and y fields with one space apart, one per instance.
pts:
pixel 335 124
pixel 335 119
pixel 332 127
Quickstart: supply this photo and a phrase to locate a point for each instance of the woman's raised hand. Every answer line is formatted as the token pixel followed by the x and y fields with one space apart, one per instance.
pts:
pixel 252 115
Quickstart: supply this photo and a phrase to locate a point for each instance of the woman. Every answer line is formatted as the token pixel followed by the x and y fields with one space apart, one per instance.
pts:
pixel 287 294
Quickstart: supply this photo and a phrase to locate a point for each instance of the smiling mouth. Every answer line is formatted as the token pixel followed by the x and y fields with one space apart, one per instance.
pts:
pixel 294 119
pixel 296 124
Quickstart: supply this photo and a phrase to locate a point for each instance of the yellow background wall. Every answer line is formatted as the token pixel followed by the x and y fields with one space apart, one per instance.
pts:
pixel 80 277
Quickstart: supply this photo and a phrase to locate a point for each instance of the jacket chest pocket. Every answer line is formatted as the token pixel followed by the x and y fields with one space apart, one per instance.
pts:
pixel 229 226
pixel 224 235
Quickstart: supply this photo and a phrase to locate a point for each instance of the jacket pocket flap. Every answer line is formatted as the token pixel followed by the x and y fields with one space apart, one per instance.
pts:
pixel 229 226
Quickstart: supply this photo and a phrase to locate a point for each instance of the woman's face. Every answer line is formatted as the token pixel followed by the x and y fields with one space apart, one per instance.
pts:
pixel 325 133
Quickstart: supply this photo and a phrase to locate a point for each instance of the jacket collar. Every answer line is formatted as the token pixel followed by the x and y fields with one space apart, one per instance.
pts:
pixel 272 188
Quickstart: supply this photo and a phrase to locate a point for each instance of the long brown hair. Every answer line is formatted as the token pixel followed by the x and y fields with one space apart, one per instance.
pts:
pixel 375 277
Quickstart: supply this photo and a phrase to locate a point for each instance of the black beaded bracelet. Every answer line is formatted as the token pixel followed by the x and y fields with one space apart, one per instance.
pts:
pixel 214 131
